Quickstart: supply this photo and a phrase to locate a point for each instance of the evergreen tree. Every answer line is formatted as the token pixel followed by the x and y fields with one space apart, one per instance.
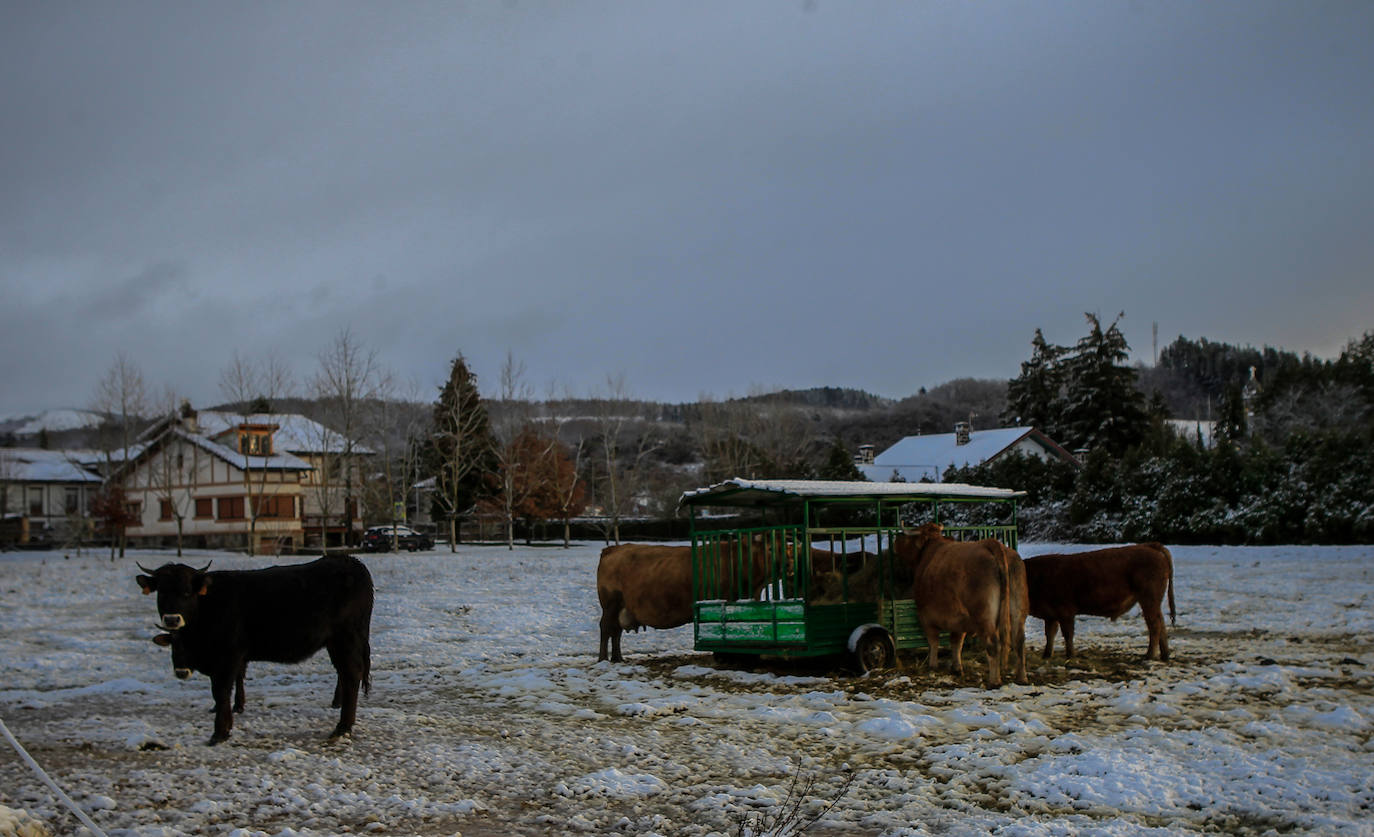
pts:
pixel 838 465
pixel 1355 367
pixel 1231 424
pixel 462 449
pixel 1035 398
pixel 1102 406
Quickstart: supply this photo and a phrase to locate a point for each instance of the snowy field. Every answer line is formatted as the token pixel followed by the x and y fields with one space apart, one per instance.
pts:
pixel 490 715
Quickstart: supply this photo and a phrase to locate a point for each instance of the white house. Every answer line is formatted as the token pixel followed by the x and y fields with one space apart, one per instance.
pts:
pixel 282 480
pixel 917 458
pixel 45 495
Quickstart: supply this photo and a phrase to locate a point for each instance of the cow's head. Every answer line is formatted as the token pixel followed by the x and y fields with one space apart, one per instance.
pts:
pixel 178 589
pixel 181 663
pixel 912 542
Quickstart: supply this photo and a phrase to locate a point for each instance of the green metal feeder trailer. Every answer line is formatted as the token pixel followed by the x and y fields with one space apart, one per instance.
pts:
pixel 805 568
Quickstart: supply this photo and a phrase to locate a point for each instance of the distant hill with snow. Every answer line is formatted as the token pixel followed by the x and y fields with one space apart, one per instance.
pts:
pixel 53 421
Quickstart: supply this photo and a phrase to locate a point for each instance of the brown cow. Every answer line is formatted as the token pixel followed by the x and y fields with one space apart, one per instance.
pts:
pixel 647 585
pixel 1103 582
pixel 974 587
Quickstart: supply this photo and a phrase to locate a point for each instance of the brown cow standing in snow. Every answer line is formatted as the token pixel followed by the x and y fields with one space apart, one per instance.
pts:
pixel 974 587
pixel 1103 582
pixel 648 585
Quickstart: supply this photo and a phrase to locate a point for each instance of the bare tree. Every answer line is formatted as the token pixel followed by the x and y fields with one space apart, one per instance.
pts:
pixel 347 387
pixel 251 385
pixel 784 437
pixel 568 485
pixel 394 433
pixel 169 479
pixel 621 456
pixel 723 433
pixel 514 455
pixel 571 491
pixel 122 397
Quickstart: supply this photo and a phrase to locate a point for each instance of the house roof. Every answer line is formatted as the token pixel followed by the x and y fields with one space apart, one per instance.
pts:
pixel 295 432
pixel 170 427
pixel 915 458
pixel 742 492
pixel 276 462
pixel 38 465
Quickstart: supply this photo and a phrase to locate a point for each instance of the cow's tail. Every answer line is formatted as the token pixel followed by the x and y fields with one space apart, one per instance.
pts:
pixel 1004 609
pixel 1169 559
pixel 367 670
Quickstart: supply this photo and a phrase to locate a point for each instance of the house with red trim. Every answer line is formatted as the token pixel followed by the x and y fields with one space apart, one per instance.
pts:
pixel 214 479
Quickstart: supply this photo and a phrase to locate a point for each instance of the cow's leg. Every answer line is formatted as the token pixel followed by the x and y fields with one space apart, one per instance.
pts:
pixel 1051 626
pixel 996 651
pixel 238 688
pixel 932 644
pixel 1018 647
pixel 348 664
pixel 610 632
pixel 956 652
pixel 1067 625
pixel 222 687
pixel 1154 623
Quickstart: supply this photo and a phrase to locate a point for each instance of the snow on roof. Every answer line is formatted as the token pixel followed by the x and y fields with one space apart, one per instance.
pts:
pixel 278 461
pixel 295 432
pixel 915 458
pixel 742 492
pixel 37 465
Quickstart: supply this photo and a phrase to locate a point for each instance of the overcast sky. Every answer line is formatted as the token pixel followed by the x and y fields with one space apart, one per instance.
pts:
pixel 701 197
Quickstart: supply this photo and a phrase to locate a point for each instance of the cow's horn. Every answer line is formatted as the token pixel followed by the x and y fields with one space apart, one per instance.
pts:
pixel 145 569
pixel 206 567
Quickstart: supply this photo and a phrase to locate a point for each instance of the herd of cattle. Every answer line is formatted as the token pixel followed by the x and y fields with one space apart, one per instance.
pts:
pixel 980 588
pixel 216 622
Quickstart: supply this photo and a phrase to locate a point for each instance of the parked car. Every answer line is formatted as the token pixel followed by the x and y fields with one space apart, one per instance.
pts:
pixel 380 539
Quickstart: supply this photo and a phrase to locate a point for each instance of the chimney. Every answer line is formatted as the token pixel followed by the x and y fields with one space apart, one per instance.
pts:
pixel 962 431
pixel 189 419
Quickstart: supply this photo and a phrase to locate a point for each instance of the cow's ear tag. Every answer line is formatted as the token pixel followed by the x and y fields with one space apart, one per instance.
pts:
pixel 204 587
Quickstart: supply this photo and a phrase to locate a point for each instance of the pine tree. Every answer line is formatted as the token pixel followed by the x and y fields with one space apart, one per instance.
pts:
pixel 839 464
pixel 1231 425
pixel 1103 408
pixel 1035 398
pixel 461 452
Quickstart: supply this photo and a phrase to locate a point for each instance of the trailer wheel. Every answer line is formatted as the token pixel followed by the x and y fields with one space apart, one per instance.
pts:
pixel 873 651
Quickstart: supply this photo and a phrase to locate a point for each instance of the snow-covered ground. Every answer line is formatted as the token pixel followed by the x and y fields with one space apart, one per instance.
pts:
pixel 489 714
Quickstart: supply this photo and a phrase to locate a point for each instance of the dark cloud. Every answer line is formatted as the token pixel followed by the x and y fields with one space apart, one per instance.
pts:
pixel 705 197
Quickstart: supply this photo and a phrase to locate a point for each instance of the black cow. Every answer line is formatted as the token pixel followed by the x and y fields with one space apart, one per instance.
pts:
pixel 220 621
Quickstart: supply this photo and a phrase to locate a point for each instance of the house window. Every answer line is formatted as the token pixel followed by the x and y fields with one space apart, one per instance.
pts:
pixel 71 500
pixel 167 511
pixel 230 508
pixel 181 460
pixel 278 507
pixel 255 444
pixel 205 507
pixel 35 501
pixel 135 511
